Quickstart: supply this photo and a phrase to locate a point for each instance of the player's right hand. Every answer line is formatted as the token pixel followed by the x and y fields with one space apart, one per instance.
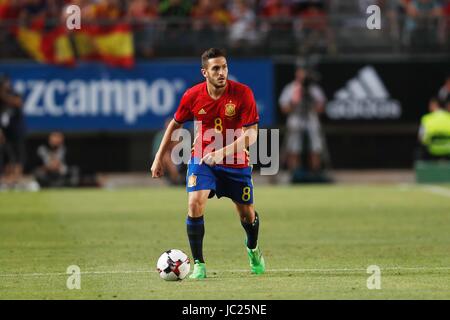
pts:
pixel 157 169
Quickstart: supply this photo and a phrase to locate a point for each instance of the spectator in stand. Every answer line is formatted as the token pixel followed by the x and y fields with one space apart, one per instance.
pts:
pixel 243 28
pixel 220 16
pixel 201 14
pixel 108 10
pixel 301 5
pixel 175 8
pixel 54 171
pixel 278 18
pixel 311 27
pixel 210 14
pixel 33 11
pixel 209 22
pixel 422 23
pixel 275 8
pixel 9 11
pixel 143 15
pixel 143 10
pixel 395 9
pixel 399 6
pixel 53 11
pixel 88 10
pixel 41 14
pixel 176 12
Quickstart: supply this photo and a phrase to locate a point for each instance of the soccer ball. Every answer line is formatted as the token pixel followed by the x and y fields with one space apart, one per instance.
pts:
pixel 173 265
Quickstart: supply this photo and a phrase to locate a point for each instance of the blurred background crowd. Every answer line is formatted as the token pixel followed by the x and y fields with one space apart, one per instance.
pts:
pixel 293 26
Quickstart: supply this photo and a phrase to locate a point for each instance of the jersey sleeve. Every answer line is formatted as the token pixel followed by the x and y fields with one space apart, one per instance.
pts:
pixel 184 112
pixel 249 111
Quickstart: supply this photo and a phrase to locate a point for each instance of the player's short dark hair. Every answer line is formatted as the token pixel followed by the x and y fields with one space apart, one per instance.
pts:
pixel 210 54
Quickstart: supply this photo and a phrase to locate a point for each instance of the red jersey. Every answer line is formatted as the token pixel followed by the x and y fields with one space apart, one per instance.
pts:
pixel 235 109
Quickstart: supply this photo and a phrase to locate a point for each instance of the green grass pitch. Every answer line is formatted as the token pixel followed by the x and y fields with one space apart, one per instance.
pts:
pixel 317 240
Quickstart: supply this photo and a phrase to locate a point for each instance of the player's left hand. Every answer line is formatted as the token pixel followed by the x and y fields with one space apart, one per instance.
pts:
pixel 212 158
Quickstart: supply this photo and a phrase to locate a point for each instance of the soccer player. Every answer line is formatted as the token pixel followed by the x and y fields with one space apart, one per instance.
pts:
pixel 218 105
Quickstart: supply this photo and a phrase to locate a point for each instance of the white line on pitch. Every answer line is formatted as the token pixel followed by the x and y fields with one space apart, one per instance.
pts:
pixel 229 270
pixel 437 190
pixel 36 274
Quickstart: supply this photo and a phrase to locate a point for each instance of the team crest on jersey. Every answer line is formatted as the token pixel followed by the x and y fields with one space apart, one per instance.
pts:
pixel 230 109
pixel 192 181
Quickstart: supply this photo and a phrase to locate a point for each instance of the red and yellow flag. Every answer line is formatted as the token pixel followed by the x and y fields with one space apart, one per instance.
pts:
pixel 52 47
pixel 113 45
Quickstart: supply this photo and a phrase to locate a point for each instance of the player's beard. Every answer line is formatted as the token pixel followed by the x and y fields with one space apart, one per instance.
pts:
pixel 219 85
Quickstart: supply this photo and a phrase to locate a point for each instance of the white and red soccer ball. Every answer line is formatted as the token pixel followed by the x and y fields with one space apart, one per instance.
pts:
pixel 173 265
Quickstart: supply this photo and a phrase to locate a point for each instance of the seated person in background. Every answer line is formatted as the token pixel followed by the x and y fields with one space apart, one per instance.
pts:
pixel 54 171
pixel 434 132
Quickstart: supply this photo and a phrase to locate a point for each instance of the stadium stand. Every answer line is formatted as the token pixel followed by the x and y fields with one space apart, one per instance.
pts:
pixel 168 28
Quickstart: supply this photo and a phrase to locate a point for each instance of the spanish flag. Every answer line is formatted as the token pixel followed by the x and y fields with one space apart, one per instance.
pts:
pixel 113 45
pixel 85 45
pixel 52 47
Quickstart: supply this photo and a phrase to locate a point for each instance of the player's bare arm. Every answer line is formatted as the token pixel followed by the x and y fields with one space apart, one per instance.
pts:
pixel 157 168
pixel 249 136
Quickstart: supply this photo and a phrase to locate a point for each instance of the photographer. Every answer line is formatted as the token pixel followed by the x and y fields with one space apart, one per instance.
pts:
pixel 301 101
pixel 13 126
pixel 54 171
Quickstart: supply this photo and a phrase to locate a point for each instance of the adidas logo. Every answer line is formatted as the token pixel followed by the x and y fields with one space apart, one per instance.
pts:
pixel 363 97
pixel 202 111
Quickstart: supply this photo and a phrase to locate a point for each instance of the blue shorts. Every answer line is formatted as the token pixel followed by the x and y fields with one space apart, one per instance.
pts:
pixel 233 183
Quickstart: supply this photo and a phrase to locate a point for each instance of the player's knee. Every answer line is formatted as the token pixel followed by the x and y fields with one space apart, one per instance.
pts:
pixel 196 208
pixel 246 212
